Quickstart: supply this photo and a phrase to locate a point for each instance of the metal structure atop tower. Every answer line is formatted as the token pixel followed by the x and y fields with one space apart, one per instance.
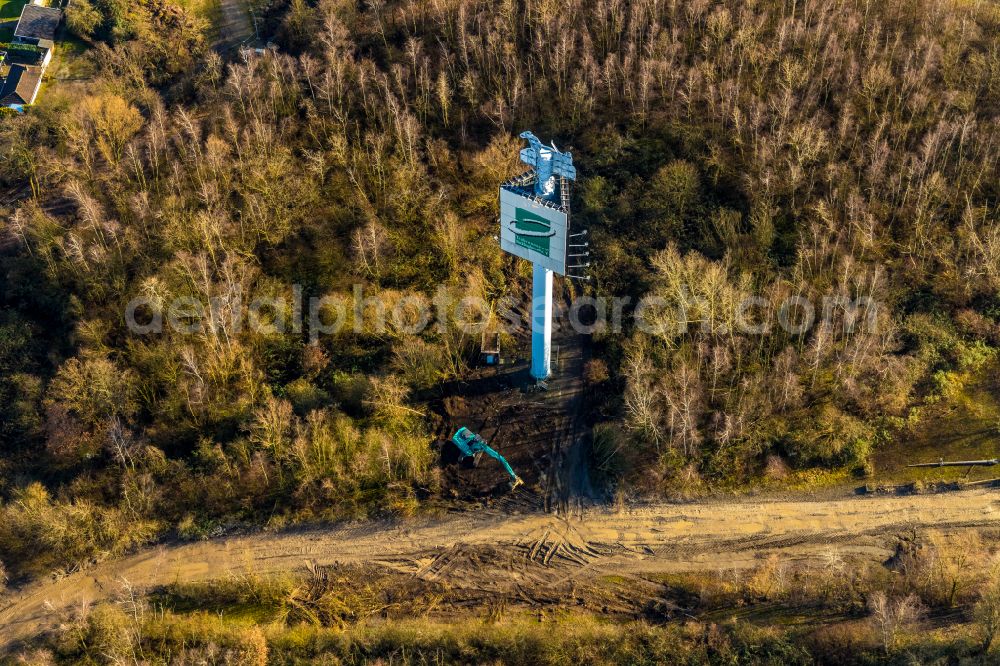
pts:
pixel 534 225
pixel 548 163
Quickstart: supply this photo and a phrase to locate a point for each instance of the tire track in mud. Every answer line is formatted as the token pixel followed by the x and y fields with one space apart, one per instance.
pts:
pixel 525 555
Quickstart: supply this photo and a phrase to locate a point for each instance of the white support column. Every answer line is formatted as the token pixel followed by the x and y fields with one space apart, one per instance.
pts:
pixel 541 322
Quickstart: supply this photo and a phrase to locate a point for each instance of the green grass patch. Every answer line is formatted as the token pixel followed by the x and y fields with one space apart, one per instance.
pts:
pixel 11 9
pixel 70 61
pixel 965 425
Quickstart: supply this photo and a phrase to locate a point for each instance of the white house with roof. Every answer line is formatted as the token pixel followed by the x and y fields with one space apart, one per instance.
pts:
pixel 28 55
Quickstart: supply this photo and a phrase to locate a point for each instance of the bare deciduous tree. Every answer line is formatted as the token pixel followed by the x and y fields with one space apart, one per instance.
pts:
pixel 891 616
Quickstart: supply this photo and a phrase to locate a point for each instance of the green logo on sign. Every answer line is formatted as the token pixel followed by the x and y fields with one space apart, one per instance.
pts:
pixel 531 231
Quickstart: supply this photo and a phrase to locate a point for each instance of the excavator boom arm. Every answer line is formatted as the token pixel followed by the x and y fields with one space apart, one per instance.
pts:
pixel 470 444
pixel 488 450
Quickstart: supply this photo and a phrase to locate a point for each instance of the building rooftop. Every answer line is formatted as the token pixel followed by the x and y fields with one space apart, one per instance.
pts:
pixel 21 86
pixel 38 23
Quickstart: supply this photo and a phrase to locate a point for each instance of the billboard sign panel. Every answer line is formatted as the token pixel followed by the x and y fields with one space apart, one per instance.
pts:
pixel 533 230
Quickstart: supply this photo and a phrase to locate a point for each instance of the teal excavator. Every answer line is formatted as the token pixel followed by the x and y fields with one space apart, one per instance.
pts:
pixel 472 445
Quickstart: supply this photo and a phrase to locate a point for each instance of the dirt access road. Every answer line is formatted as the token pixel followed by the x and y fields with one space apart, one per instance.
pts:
pixel 530 556
pixel 233 25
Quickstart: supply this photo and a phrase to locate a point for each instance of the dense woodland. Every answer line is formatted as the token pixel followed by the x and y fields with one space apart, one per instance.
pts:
pixel 775 148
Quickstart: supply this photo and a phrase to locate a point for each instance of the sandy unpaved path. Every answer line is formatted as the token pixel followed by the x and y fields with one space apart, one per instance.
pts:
pixel 489 552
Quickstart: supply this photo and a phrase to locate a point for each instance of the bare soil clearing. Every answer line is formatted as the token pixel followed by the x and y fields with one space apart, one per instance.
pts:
pixel 542 434
pixel 526 555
